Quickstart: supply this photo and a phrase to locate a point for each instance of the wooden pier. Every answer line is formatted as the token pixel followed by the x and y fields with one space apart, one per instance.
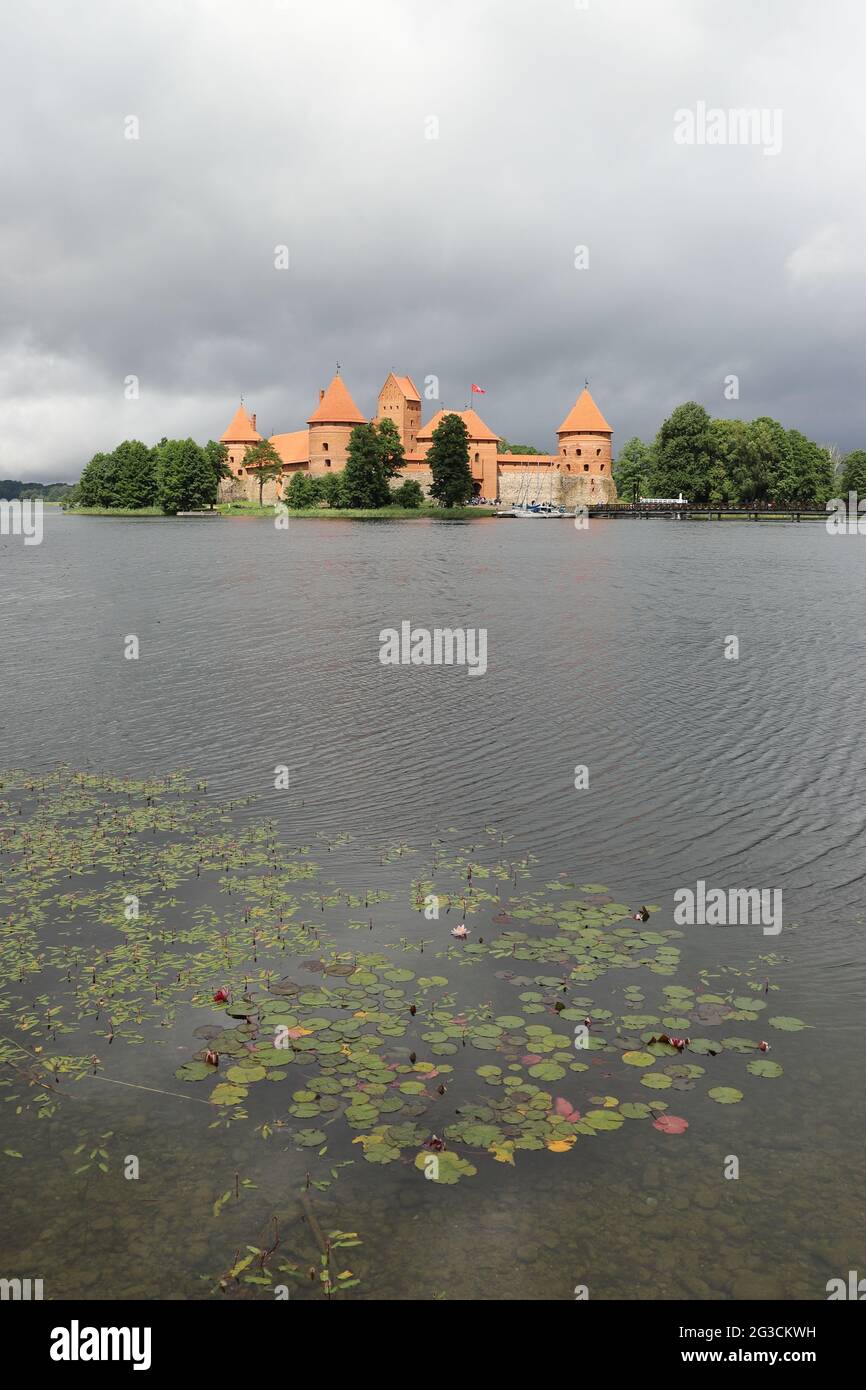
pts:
pixel 693 511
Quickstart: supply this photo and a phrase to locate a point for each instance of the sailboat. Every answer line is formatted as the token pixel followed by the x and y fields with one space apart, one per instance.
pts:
pixel 525 509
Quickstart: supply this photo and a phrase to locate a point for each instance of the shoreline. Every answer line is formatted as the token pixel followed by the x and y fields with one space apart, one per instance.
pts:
pixel 318 513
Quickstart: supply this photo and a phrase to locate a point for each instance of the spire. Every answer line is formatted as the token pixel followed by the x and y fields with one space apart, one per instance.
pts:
pixel 336 407
pixel 584 417
pixel 242 429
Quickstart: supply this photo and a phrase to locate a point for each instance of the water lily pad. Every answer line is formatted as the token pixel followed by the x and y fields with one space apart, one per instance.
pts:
pixel 725 1095
pixel 638 1059
pixel 671 1124
pixel 547 1071
pixel 309 1138
pixel 195 1071
pixel 448 1168
pixel 787 1024
pixel 764 1067
pixel 655 1080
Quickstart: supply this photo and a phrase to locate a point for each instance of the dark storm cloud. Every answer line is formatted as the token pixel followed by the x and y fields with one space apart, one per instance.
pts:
pixel 266 123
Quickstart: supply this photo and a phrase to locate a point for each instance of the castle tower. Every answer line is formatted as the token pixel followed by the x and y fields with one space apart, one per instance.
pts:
pixel 240 434
pixel 585 452
pixel 400 402
pixel 331 425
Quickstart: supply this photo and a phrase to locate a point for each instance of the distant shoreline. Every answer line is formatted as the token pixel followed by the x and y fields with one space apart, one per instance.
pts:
pixel 319 513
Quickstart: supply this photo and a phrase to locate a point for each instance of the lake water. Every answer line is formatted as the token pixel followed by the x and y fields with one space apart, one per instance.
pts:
pixel 259 648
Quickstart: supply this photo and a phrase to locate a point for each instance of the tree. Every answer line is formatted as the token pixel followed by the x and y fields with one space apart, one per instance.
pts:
pixel 684 454
pixel 218 455
pixel 331 489
pixel 185 477
pixel 504 446
pixel 812 470
pixel 854 473
pixel 449 463
pixel 264 459
pixel 632 470
pixel 134 473
pixel 391 449
pixel 91 488
pixel 302 492
pixel 409 494
pixel 365 483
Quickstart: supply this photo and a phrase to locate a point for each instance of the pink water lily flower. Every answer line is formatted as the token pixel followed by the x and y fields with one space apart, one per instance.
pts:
pixel 764 1046
pixel 565 1108
pixel 460 932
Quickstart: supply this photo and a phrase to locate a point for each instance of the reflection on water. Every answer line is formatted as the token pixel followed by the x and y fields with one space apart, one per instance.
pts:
pixel 604 649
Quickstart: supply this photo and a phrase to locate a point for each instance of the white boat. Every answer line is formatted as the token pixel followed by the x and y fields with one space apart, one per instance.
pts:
pixel 541 509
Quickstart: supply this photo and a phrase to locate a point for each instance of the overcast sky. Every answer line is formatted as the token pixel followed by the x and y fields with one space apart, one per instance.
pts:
pixel 275 123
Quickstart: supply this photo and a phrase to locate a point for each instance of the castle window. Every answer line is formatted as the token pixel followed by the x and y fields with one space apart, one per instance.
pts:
pixel 602 468
pixel 477 457
pixel 240 472
pixel 578 452
pixel 325 447
pixel 597 452
pixel 327 463
pixel 586 468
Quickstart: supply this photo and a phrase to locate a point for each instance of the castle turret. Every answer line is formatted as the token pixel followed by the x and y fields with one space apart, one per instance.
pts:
pixel 240 434
pixel 331 425
pixel 585 451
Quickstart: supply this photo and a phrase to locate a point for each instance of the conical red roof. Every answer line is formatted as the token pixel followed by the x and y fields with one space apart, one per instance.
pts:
pixel 337 407
pixel 241 430
pixel 584 416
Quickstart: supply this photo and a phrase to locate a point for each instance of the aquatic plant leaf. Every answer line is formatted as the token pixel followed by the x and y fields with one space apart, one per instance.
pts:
pixel 764 1067
pixel 671 1124
pixel 638 1059
pixel 725 1095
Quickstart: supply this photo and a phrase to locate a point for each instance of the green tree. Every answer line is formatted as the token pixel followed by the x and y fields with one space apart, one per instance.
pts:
pixel 812 470
pixel 449 463
pixel 185 477
pixel 391 449
pixel 331 489
pixel 218 455
pixel 134 472
pixel 91 488
pixel 853 477
pixel 684 454
pixel 265 461
pixel 504 446
pixel 302 492
pixel 365 482
pixel 408 494
pixel 633 469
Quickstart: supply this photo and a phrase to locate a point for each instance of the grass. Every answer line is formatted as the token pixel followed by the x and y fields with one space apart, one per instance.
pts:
pixel 114 511
pixel 362 513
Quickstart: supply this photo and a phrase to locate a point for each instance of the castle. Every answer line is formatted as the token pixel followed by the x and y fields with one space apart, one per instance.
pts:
pixel 579 472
